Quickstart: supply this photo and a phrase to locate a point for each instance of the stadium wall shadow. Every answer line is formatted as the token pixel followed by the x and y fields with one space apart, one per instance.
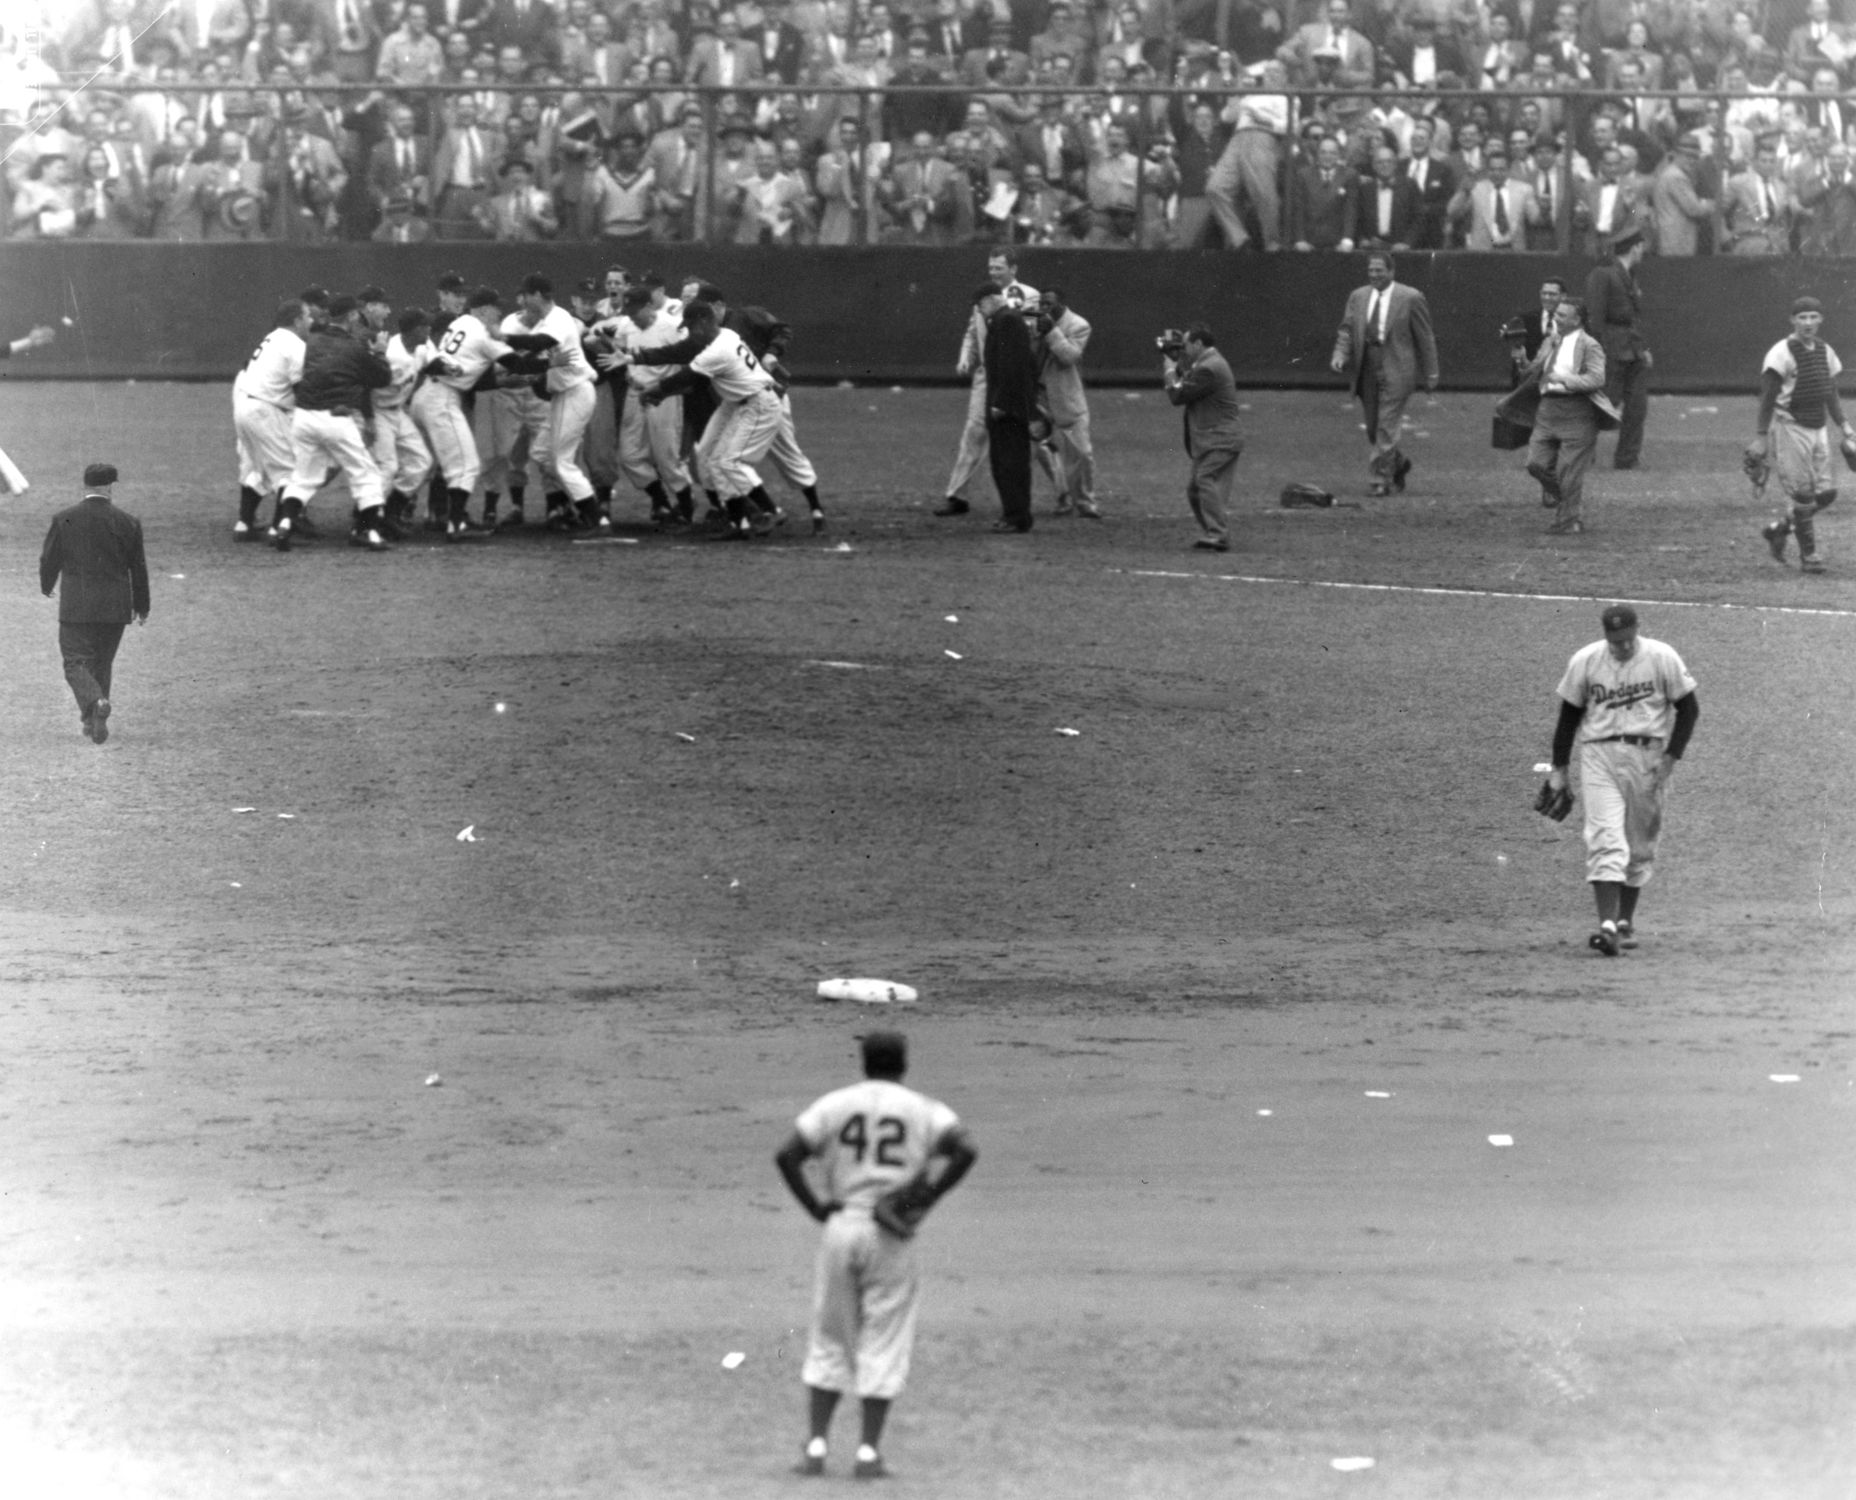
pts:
pixel 195 311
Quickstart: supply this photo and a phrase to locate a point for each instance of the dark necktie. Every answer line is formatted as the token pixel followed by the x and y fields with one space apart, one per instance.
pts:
pixel 1501 210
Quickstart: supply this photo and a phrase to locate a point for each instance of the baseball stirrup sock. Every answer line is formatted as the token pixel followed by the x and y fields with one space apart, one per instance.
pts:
pixel 457 502
pixel 248 499
pixel 1805 529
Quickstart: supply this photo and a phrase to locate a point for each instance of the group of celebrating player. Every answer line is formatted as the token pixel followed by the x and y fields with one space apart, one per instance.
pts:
pixel 626 382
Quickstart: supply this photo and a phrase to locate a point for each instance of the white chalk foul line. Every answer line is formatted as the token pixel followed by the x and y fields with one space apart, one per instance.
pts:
pixel 1412 588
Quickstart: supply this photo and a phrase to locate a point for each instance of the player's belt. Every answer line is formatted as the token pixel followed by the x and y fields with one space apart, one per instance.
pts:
pixel 1627 739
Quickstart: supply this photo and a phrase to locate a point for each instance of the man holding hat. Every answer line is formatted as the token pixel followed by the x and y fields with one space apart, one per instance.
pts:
pixel 1797 401
pixel 97 549
pixel 1630 705
pixel 1613 303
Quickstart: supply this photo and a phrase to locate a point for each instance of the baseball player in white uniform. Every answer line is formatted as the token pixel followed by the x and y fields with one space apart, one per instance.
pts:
pixel 466 350
pixel 12 481
pixel 554 337
pixel 866 1139
pixel 1797 403
pixel 1002 271
pixel 745 423
pixel 509 423
pixel 399 448
pixel 263 396
pixel 650 436
pixel 1630 704
pixel 334 408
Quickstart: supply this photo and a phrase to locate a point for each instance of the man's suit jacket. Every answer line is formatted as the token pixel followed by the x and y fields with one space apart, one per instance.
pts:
pixel 1631 212
pixel 973 68
pixel 1061 364
pixel 1324 206
pixel 1522 404
pixel 1477 202
pixel 1432 229
pixel 1208 393
pixel 505 25
pixel 1072 155
pixel 1356 54
pixel 1802 56
pixel 1751 229
pixel 705 60
pixel 1449 56
pixel 1363 211
pixel 787 54
pixel 98 551
pixel 1831 229
pixel 384 177
pixel 1679 209
pixel 1011 368
pixel 1410 344
pixel 445 157
pixel 1613 304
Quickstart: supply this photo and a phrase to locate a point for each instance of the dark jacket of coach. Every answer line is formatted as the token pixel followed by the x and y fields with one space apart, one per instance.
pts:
pixel 1011 406
pixel 97 550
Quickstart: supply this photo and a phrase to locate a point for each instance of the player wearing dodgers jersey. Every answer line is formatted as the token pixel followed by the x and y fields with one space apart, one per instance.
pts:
pixel 1002 272
pixel 465 353
pixel 866 1139
pixel 1630 704
pixel 263 396
pixel 1797 402
pixel 399 449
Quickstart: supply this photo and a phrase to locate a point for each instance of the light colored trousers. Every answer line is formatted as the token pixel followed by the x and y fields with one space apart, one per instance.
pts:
pixel 320 439
pixel 651 443
pixel 864 1296
pixel 1250 159
pixel 1623 810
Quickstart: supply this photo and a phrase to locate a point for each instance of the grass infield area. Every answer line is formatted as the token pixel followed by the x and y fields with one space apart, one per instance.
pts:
pixel 349 1159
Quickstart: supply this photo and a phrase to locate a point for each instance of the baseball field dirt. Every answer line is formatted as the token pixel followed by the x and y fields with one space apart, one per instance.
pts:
pixel 350 1158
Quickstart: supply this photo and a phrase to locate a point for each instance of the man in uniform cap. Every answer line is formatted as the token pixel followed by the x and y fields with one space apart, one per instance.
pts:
pixel 97 550
pixel 1630 705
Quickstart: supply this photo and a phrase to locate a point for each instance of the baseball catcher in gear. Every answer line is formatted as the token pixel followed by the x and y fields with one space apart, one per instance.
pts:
pixel 1552 801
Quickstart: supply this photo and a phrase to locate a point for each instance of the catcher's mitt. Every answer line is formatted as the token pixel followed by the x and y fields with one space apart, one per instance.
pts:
pixel 1553 802
pixel 1757 462
pixel 901 1210
pixel 1849 451
pixel 1305 497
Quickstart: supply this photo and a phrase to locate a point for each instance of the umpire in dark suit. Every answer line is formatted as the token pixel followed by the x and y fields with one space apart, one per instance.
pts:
pixel 1199 379
pixel 1011 406
pixel 97 549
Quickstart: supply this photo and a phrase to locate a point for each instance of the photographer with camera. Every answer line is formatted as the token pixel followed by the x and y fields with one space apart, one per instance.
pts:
pixel 1198 379
pixel 1061 336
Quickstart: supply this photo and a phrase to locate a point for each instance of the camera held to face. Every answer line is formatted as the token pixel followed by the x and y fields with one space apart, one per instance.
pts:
pixel 1171 343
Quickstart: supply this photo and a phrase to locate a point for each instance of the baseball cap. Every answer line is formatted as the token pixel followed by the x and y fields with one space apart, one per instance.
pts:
pixel 369 294
pixel 451 281
pixel 484 296
pixel 99 474
pixel 885 1051
pixel 1807 304
pixel 1619 617
pixel 340 307
pixel 588 287
pixel 1628 240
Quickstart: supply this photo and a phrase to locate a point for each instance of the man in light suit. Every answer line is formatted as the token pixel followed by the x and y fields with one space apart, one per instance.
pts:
pixel 1820 40
pixel 1679 209
pixel 723 57
pixel 1565 387
pixel 1498 208
pixel 1336 35
pixel 1385 343
pixel 1060 337
pixel 1199 379
pixel 1760 207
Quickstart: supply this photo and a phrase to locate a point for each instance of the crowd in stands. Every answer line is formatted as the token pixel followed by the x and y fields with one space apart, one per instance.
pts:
pixel 1304 125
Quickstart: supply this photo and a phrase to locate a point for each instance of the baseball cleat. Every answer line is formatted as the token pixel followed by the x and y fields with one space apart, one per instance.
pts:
pixel 1627 935
pixel 1572 527
pixel 870 1468
pixel 1812 564
pixel 280 536
pixel 1379 489
pixel 241 532
pixel 1399 472
pixel 100 721
pixel 818 522
pixel 1777 533
pixel 812 1461
pixel 1605 940
pixel 952 507
pixel 371 539
pixel 1087 511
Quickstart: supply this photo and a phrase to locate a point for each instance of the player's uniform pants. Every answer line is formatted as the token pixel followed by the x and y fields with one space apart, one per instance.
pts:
pixel 1801 457
pixel 510 425
pixel 400 453
pixel 323 439
pixel 1384 406
pixel 1250 159
pixel 1623 809
pixel 600 455
pixel 864 1296
pixel 266 454
pixel 439 411
pixel 1565 438
pixel 557 450
pixel 651 443
pixel 1627 383
pixel 89 652
pixel 1075 474
pixel 787 457
pixel 739 436
pixel 973 440
pixel 1208 490
pixel 12 481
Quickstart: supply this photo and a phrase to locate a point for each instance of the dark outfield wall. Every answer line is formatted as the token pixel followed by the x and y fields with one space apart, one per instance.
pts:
pixel 165 311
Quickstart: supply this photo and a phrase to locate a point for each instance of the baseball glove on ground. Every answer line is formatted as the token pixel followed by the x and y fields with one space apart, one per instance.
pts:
pixel 1305 497
pixel 1553 802
pixel 1758 465
pixel 902 1209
